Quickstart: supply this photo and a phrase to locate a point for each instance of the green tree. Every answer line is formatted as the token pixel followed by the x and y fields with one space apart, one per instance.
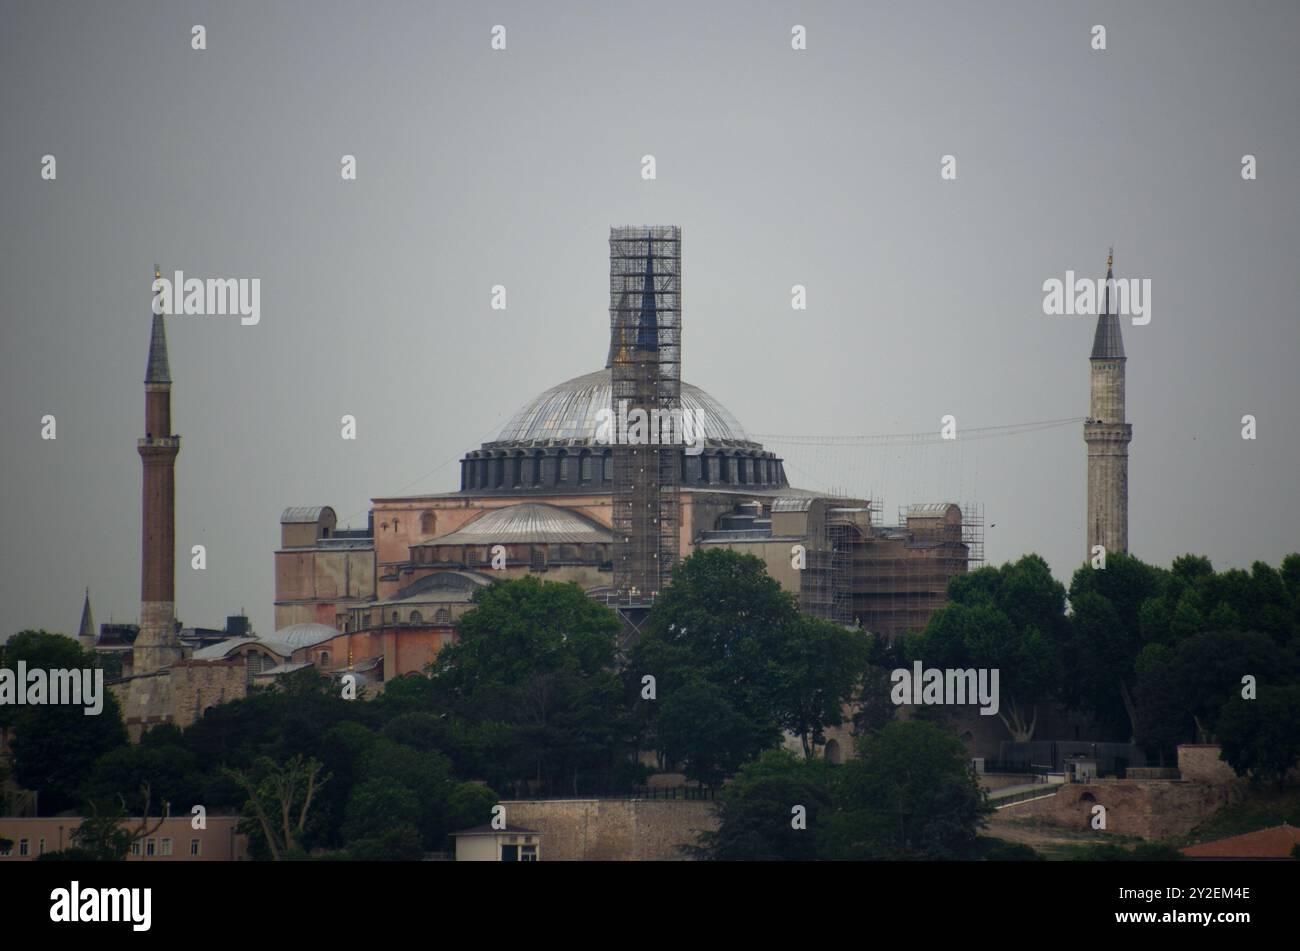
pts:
pixel 1010 619
pixel 821 668
pixel 532 685
pixel 724 619
pixel 911 794
pixel 757 813
pixel 1262 736
pixel 279 800
pixel 470 805
pixel 1207 671
pixel 706 734
pixel 378 806
pixel 55 746
pixel 1160 705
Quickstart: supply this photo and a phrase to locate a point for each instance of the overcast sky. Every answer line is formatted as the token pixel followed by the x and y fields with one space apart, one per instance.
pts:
pixel 819 167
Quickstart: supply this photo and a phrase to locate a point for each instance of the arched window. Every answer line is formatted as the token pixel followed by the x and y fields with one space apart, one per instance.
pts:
pixel 564 467
pixel 417 617
pixel 585 471
pixel 428 523
pixel 324 658
pixel 394 617
pixel 537 468
pixel 608 466
pixel 442 616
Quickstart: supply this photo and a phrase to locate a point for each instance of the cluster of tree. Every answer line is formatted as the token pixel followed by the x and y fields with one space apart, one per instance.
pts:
pixel 909 794
pixel 1156 656
pixel 536 697
pixel 308 769
pixel 533 698
pixel 731 663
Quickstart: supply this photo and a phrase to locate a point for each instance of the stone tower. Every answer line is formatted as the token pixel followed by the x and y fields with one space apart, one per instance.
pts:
pixel 157 645
pixel 1107 435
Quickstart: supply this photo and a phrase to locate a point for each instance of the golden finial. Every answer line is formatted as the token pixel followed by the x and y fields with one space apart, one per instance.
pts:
pixel 157 272
pixel 1110 257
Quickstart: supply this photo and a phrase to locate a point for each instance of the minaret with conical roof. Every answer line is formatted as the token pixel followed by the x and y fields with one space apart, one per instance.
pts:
pixel 157 645
pixel 1107 435
pixel 86 630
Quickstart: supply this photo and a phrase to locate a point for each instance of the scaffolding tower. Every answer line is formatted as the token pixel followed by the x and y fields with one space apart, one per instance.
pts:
pixel 645 343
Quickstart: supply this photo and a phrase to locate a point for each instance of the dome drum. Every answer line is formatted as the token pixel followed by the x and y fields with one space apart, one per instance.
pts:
pixel 579 469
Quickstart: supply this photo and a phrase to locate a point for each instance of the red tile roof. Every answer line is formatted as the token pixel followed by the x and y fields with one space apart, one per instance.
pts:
pixel 1274 843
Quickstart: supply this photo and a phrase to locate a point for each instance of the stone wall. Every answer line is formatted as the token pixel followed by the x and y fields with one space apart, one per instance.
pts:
pixel 179 694
pixel 621 830
pixel 1149 810
pixel 1203 762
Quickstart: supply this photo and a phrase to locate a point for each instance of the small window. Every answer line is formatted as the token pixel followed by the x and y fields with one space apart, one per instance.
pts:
pixel 586 468
pixel 6 848
pixel 537 559
pixel 394 617
pixel 195 847
pixel 442 615
pixel 135 847
pixel 165 847
pixel 417 617
pixel 151 847
pixel 40 846
pixel 24 847
pixel 528 853
pixel 324 658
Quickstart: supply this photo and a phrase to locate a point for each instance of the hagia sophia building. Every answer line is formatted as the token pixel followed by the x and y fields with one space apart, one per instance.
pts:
pixel 381 601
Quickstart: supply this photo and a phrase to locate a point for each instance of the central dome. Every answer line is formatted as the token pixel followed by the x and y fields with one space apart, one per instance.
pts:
pixel 567 415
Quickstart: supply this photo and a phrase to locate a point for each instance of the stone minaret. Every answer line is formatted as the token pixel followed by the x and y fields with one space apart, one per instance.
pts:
pixel 1107 435
pixel 157 645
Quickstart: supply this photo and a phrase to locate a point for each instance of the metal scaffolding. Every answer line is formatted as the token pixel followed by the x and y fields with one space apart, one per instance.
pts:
pixel 645 343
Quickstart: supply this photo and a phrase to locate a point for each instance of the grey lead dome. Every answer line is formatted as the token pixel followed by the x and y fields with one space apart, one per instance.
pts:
pixel 566 414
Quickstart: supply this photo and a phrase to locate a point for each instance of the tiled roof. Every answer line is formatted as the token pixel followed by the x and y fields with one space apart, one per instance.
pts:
pixel 1274 843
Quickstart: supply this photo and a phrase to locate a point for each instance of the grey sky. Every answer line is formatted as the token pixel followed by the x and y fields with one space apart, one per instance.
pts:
pixel 478 168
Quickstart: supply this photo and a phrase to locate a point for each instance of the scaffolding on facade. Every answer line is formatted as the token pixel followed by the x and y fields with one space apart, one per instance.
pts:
pixel 645 344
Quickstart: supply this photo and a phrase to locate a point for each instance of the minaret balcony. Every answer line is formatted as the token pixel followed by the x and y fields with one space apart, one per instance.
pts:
pixel 159 442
